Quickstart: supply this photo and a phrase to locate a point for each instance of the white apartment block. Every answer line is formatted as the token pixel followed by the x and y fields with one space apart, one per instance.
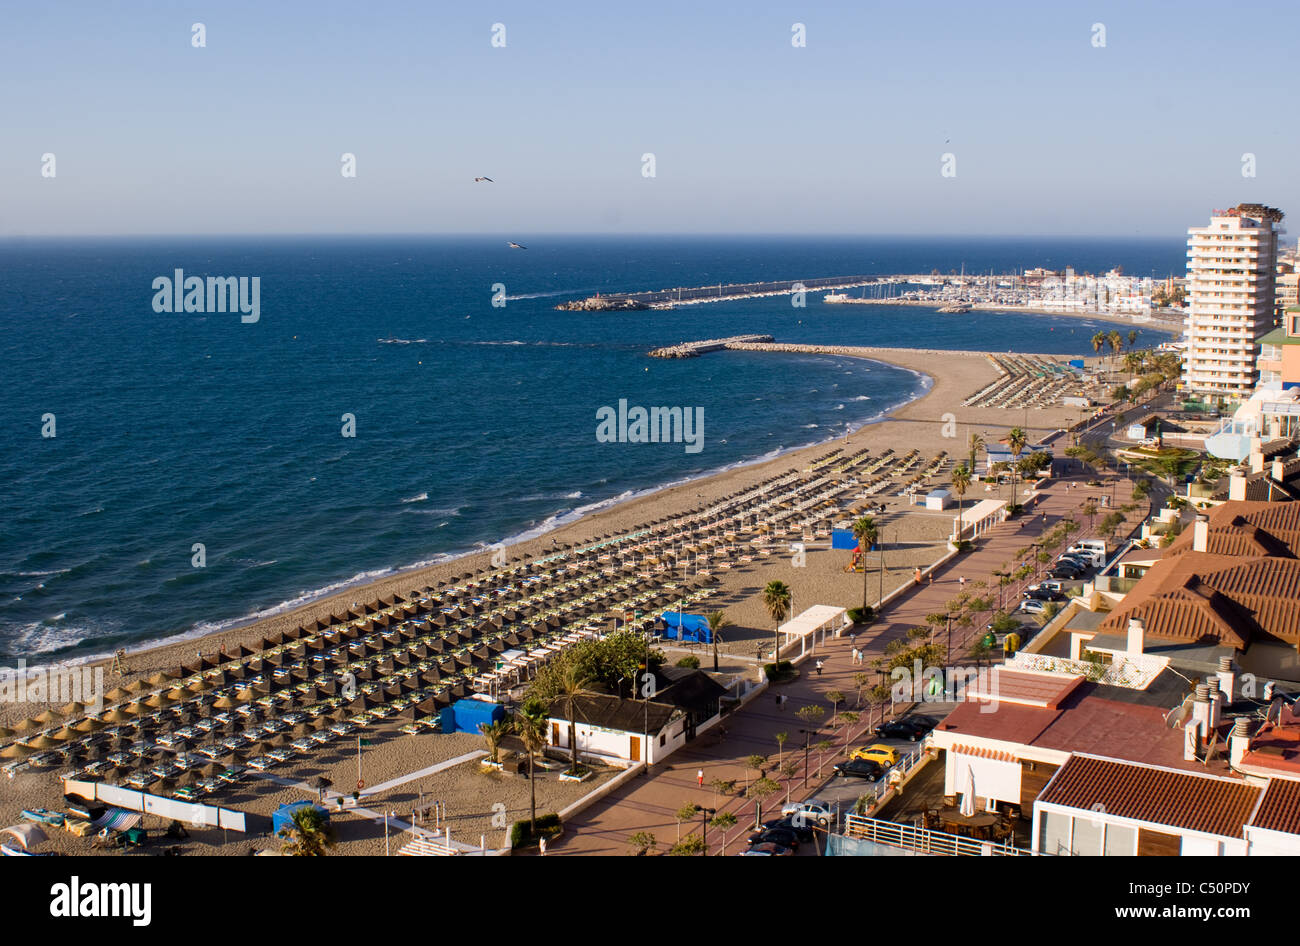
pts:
pixel 1231 271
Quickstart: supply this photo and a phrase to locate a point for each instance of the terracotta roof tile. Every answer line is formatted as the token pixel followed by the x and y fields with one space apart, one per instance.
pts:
pixel 1279 809
pixel 1161 796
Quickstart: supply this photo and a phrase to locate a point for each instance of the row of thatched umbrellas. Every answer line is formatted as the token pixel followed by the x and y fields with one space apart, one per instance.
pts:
pixel 396 614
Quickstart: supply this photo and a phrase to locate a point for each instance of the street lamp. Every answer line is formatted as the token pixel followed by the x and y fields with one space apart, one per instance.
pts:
pixel 706 814
pixel 807 740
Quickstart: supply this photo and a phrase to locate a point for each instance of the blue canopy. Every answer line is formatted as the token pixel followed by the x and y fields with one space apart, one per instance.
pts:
pixel 283 816
pixel 468 715
pixel 843 539
pixel 687 627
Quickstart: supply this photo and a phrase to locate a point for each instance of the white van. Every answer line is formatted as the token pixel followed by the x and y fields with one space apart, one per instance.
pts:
pixel 1092 550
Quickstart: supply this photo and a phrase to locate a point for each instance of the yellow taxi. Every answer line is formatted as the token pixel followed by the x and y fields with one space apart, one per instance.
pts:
pixel 879 753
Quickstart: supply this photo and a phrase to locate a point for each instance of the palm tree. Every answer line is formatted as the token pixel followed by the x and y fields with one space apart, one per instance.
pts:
pixel 1016 440
pixel 1116 341
pixel 866 532
pixel 1132 363
pixel 493 733
pixel 776 598
pixel 1099 342
pixel 571 686
pixel 960 483
pixel 717 621
pixel 976 444
pixel 530 724
pixel 308 834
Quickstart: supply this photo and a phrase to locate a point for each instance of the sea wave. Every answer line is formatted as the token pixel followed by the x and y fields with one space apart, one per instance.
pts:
pixel 416 499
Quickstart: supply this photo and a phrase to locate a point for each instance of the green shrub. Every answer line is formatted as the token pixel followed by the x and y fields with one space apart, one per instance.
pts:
pixel 548 826
pixel 779 670
pixel 862 615
pixel 690 661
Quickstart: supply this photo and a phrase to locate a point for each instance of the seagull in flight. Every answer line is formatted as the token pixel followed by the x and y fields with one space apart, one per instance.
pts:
pixel 480 179
pixel 516 246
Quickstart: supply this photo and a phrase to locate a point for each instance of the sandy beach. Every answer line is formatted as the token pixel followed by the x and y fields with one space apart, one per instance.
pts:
pixel 934 424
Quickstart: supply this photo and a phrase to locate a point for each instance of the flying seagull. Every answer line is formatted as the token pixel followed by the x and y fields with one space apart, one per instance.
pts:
pixel 480 179
pixel 516 246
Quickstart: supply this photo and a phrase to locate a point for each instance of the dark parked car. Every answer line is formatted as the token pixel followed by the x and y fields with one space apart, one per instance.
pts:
pixel 1044 594
pixel 1065 570
pixel 860 768
pixel 803 832
pixel 906 727
pixel 767 849
pixel 785 837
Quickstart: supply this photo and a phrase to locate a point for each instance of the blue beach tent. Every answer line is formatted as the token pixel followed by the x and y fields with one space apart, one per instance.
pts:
pixel 687 627
pixel 844 539
pixel 468 715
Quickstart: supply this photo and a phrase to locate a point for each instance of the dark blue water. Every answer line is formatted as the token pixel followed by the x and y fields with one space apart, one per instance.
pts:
pixel 473 425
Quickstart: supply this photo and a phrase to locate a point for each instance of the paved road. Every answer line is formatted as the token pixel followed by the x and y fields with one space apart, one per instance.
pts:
pixel 649 804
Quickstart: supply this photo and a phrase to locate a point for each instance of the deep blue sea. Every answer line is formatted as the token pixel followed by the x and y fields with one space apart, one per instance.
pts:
pixel 473 423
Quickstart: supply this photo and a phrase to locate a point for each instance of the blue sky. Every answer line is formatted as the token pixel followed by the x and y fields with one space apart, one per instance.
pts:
pixel 1051 135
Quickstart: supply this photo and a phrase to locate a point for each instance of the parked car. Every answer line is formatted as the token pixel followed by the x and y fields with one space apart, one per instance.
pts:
pixel 1030 606
pixel 1066 570
pixel 801 831
pixel 906 727
pixel 767 849
pixel 867 769
pixel 785 837
pixel 1049 585
pixel 1073 562
pixel 813 810
pixel 1043 594
pixel 883 755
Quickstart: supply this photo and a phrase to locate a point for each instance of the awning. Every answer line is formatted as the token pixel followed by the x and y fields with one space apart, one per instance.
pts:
pixel 118 819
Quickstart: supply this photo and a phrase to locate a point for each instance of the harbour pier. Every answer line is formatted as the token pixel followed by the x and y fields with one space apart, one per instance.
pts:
pixel 722 292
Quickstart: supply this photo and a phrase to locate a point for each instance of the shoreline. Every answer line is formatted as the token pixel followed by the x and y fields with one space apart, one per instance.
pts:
pixel 907 424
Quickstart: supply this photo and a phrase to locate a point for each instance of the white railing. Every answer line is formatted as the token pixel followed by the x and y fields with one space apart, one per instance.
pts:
pixel 1132 671
pixel 925 841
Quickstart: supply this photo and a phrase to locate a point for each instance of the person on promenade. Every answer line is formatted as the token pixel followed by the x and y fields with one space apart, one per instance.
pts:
pixel 541 845
pixel 819 667
pixel 961 580
pixel 699 777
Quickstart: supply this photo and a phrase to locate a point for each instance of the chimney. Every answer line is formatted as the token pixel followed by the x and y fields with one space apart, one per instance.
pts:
pixel 1239 740
pixel 1279 470
pixel 1256 461
pixel 1201 533
pixel 1201 710
pixel 1136 636
pixel 1227 680
pixel 1216 702
pixel 1237 484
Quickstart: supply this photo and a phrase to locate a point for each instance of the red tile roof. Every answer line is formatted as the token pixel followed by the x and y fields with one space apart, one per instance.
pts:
pixel 1245 586
pixel 1160 796
pixel 1279 810
pixel 1085 723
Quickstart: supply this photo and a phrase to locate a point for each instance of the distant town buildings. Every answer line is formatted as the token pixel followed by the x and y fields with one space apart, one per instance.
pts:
pixel 1231 276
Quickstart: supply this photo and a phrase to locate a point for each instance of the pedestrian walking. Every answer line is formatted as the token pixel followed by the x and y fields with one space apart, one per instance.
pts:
pixel 699 777
pixel 819 668
pixel 961 580
pixel 541 844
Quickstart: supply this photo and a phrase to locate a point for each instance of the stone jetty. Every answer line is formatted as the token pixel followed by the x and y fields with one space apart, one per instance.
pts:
pixel 695 349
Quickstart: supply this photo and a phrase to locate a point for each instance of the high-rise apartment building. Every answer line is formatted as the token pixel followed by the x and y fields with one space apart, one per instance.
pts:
pixel 1231 271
